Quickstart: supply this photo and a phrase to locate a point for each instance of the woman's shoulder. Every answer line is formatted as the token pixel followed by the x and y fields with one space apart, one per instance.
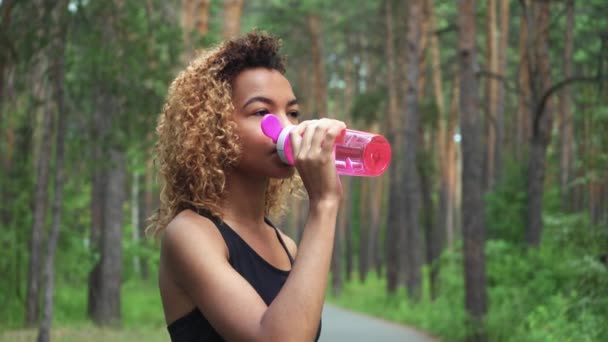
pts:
pixel 189 232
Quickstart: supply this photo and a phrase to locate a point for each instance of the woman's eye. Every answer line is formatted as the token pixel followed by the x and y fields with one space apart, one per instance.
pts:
pixel 294 114
pixel 261 112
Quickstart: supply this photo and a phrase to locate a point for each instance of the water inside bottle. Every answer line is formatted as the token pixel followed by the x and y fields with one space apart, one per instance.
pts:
pixel 362 154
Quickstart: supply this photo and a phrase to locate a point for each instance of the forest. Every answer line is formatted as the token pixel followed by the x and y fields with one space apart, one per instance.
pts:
pixel 491 223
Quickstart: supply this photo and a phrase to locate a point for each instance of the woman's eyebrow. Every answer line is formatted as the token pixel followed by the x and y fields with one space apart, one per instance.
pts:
pixel 258 99
pixel 267 101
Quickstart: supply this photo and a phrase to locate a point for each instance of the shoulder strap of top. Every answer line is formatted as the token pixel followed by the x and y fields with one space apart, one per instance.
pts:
pixel 219 224
pixel 280 240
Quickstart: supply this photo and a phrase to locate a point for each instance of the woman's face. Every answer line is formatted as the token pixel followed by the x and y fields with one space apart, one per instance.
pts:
pixel 255 93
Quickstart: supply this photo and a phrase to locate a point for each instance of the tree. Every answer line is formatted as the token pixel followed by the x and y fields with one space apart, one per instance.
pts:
pixel 537 18
pixel 56 52
pixel 232 18
pixel 42 182
pixel 472 190
pixel 393 223
pixel 411 185
pixel 566 116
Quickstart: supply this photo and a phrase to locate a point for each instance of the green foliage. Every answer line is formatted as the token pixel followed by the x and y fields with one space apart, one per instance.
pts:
pixel 505 206
pixel 558 292
pixel 369 105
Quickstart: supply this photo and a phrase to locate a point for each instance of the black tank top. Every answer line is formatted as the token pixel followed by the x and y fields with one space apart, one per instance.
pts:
pixel 266 279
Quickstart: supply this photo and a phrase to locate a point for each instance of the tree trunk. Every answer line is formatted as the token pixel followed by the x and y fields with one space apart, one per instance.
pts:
pixel 499 110
pixel 411 186
pixel 393 225
pixel 135 215
pixel 232 18
pixel 472 207
pixel 522 134
pixel 374 255
pixel 110 267
pixel 443 139
pixel 365 210
pixel 6 8
pixel 566 120
pixel 202 17
pixel 452 166
pixel 337 276
pixel 40 202
pixel 55 53
pixel 347 206
pixel 316 50
pixel 491 94
pixel 541 126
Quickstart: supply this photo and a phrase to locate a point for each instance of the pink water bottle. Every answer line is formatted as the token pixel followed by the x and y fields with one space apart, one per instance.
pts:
pixel 356 153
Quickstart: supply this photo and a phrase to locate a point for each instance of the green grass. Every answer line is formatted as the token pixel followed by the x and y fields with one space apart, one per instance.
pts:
pixel 142 317
pixel 90 333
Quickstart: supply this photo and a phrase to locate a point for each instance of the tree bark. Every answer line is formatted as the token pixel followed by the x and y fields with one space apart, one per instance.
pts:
pixel 566 118
pixel 40 200
pixel 472 208
pixel 379 190
pixel 316 50
pixel 452 166
pixel 491 93
pixel 503 45
pixel 542 124
pixel 202 17
pixel 522 134
pixel 443 155
pixel 394 223
pixel 56 55
pixel 109 194
pixel 232 18
pixel 411 186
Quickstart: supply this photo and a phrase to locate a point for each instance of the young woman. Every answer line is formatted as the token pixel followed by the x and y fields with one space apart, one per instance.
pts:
pixel 226 273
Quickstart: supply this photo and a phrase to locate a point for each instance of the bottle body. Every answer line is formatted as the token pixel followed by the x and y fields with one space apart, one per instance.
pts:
pixel 356 153
pixel 362 154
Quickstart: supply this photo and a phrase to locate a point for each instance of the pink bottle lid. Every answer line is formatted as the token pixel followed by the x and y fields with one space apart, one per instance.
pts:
pixel 272 128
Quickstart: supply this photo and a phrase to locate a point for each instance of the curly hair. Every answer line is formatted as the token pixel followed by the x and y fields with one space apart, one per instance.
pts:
pixel 197 141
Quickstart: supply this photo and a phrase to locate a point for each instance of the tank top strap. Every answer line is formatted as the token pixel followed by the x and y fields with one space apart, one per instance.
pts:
pixel 226 232
pixel 276 230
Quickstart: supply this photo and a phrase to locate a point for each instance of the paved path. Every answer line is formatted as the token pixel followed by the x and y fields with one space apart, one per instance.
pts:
pixel 342 325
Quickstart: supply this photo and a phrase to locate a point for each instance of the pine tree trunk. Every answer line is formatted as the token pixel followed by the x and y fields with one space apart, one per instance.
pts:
pixel 503 44
pixel 40 203
pixel 453 183
pixel 491 93
pixel 365 205
pixel 56 55
pixel 378 194
pixel 202 17
pixel 232 18
pixel 411 186
pixel 316 50
pixel 522 134
pixel 442 154
pixel 541 126
pixel 346 207
pixel 472 208
pixel 566 116
pixel 394 223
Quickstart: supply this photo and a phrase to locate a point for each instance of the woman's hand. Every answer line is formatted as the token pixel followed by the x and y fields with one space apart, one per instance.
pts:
pixel 313 145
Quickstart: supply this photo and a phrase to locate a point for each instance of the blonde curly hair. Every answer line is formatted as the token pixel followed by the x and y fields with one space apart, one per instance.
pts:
pixel 197 141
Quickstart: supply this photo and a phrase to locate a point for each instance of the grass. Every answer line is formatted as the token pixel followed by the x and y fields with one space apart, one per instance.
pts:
pixel 142 317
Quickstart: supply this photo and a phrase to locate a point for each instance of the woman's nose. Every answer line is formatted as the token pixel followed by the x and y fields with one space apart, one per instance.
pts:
pixel 284 119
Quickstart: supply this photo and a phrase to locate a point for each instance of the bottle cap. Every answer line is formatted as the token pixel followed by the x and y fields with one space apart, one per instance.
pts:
pixel 272 128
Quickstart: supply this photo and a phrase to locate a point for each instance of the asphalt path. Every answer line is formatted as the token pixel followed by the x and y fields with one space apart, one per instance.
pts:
pixel 342 325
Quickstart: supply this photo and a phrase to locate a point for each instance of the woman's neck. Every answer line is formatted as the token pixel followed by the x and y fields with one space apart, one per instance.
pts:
pixel 245 199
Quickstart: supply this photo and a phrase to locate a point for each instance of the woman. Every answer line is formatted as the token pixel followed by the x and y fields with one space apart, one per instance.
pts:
pixel 226 273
